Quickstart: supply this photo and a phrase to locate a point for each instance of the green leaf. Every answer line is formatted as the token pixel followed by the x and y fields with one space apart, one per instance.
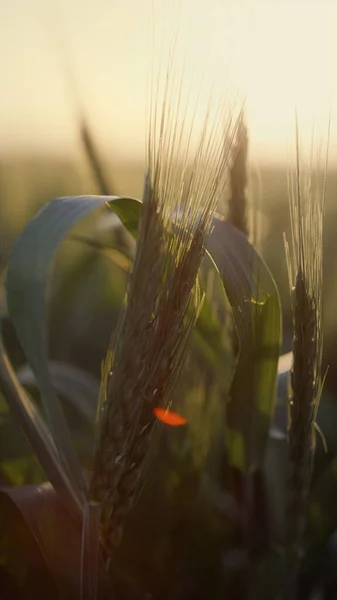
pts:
pixel 26 283
pixel 210 345
pixel 116 256
pixel 248 284
pixel 37 434
pixel 254 298
pixel 80 388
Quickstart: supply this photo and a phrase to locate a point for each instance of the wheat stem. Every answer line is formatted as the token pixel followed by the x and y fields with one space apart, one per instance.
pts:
pixel 238 177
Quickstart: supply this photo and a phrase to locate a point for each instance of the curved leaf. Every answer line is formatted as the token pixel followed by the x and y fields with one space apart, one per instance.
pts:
pixel 37 434
pixel 254 298
pixel 117 257
pixel 248 284
pixel 80 388
pixel 26 287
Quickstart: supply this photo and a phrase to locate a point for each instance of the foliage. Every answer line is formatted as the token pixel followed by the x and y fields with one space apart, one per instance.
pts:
pixel 19 294
pixel 169 463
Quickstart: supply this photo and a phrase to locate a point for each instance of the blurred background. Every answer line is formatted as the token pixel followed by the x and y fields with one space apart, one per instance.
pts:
pixel 75 80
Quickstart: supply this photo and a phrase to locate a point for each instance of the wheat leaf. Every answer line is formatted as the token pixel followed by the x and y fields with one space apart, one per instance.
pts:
pixel 37 433
pixel 26 283
pixel 254 298
pixel 79 388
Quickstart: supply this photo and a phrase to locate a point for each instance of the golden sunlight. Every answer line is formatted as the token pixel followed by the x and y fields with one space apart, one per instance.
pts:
pixel 292 62
pixel 279 53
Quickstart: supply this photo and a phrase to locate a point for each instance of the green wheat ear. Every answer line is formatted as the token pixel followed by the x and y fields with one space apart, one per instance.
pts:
pixel 163 298
pixel 305 268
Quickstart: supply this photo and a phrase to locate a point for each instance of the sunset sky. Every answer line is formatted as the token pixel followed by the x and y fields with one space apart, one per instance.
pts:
pixel 278 52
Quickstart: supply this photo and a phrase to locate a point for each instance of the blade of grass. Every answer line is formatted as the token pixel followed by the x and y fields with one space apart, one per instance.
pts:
pixel 26 283
pixel 37 434
pixel 80 388
pixel 254 298
pixel 90 552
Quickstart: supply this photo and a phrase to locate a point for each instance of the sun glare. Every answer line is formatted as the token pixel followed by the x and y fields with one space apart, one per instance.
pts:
pixel 278 53
pixel 292 63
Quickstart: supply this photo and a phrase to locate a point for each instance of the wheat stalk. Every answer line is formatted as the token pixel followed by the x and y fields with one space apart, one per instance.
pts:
pixel 237 204
pixel 93 157
pixel 163 298
pixel 304 259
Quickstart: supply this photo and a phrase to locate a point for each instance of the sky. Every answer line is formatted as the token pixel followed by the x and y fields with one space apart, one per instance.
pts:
pixel 56 54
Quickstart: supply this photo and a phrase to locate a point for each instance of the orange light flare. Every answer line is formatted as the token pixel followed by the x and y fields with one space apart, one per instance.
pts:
pixel 169 417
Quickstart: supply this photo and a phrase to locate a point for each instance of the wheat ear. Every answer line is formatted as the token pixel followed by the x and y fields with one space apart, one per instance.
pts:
pixel 304 258
pixel 162 301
